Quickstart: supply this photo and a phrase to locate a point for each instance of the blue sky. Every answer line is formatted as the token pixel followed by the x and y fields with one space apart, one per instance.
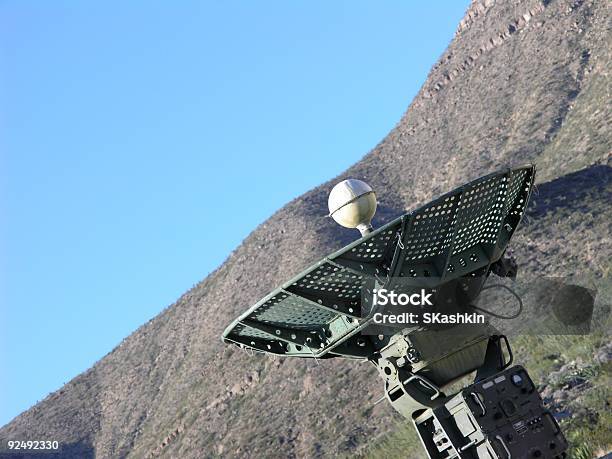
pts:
pixel 128 133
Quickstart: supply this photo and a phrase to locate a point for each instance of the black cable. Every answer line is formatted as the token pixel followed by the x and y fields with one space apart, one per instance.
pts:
pixel 499 316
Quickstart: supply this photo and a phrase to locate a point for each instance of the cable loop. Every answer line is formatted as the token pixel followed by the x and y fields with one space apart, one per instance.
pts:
pixel 499 316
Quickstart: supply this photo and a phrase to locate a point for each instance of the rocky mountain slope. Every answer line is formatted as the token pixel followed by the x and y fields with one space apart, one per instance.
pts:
pixel 522 81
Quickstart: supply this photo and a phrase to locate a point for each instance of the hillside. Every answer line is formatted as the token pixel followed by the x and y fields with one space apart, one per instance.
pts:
pixel 522 81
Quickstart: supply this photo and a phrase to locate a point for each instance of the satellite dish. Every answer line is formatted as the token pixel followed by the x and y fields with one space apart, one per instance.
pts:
pixel 352 204
pixel 453 242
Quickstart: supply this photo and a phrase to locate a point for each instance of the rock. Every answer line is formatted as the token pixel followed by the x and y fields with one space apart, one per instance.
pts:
pixel 574 381
pixel 604 354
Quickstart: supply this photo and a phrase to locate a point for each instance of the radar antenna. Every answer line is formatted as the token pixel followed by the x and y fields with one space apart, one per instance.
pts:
pixel 446 249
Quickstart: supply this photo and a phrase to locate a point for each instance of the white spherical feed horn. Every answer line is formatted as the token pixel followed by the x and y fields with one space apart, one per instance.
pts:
pixel 352 204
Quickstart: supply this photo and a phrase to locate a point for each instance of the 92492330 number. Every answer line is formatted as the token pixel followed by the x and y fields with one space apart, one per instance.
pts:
pixel 32 444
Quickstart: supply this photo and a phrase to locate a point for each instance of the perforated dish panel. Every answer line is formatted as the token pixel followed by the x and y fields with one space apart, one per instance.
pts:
pixel 373 248
pixel 431 229
pixel 243 330
pixel 456 235
pixel 290 311
pixel 480 213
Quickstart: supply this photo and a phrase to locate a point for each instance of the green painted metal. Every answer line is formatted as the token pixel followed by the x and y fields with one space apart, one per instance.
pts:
pixel 317 313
